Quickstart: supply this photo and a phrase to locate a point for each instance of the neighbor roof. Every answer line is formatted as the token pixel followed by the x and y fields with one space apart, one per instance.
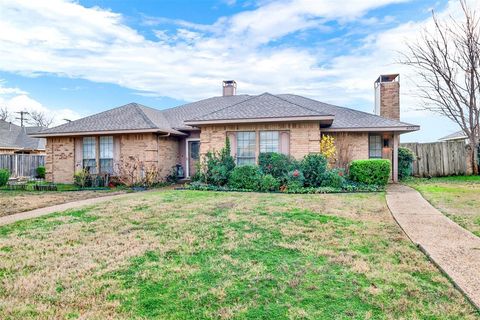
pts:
pixel 16 137
pixel 454 136
pixel 265 107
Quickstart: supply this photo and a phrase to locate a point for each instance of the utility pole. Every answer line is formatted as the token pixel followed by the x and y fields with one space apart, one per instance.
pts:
pixel 22 117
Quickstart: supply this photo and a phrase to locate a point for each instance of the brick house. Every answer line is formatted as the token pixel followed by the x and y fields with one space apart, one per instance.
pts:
pixel 284 123
pixel 16 139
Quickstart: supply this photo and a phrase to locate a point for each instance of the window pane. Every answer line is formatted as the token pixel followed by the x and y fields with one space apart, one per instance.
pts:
pixel 89 154
pixel 89 148
pixel 246 143
pixel 106 154
pixel 106 147
pixel 106 166
pixel 269 141
pixel 375 146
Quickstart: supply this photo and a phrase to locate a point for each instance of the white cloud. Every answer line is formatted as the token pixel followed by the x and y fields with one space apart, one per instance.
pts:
pixel 68 39
pixel 16 100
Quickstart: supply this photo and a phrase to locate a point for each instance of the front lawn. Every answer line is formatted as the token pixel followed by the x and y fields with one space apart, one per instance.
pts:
pixel 458 197
pixel 203 255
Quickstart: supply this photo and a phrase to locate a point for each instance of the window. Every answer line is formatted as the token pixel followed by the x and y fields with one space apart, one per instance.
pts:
pixel 106 154
pixel 246 143
pixel 89 154
pixel 269 141
pixel 375 146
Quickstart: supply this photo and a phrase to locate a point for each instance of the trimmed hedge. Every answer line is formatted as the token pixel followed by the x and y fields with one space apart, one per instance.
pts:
pixel 370 172
pixel 4 176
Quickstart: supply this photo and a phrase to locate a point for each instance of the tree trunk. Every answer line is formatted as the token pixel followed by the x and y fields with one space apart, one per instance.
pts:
pixel 474 155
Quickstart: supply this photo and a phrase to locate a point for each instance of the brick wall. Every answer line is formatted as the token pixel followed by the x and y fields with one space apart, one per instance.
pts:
pixel 169 155
pixel 350 146
pixel 144 148
pixel 304 136
pixel 390 100
pixel 59 162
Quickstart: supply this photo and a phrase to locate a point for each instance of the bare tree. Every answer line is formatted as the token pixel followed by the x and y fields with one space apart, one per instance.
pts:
pixel 4 114
pixel 447 61
pixel 40 119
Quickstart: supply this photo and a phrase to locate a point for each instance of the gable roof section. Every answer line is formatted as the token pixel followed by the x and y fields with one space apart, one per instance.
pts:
pixel 132 117
pixel 176 116
pixel 347 119
pixel 16 137
pixel 265 107
pixel 454 136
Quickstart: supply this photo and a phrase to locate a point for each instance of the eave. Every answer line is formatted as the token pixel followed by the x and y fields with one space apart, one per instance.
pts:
pixel 323 119
pixel 103 132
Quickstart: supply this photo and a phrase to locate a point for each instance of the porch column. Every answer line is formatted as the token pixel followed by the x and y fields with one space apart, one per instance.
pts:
pixel 396 143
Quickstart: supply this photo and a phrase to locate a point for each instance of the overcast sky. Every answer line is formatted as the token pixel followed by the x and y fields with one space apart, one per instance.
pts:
pixel 72 59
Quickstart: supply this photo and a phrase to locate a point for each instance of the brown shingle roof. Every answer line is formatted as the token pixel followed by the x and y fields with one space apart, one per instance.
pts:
pixel 137 117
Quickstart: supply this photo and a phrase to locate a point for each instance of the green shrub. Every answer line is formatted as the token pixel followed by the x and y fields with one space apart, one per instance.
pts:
pixel 269 183
pixel 405 162
pixel 313 167
pixel 245 177
pixel 216 167
pixel 276 164
pixel 4 176
pixel 41 172
pixel 333 178
pixel 82 178
pixel 371 172
pixel 295 180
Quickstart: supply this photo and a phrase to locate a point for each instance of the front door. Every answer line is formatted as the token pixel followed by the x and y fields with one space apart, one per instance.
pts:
pixel 193 156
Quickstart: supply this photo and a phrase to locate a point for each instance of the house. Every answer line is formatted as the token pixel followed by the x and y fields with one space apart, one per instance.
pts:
pixel 16 139
pixel 285 123
pixel 456 136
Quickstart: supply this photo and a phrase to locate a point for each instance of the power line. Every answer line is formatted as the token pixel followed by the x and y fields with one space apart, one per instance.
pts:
pixel 22 117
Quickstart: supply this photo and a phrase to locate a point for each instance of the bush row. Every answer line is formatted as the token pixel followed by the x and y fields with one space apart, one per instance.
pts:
pixel 278 172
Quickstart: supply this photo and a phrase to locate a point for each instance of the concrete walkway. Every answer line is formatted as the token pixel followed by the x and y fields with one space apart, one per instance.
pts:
pixel 455 250
pixel 57 208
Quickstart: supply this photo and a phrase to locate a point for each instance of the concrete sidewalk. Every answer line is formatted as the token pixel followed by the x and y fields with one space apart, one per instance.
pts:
pixel 455 250
pixel 57 208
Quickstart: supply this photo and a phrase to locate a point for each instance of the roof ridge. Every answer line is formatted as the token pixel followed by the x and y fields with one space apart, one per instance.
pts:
pixel 232 105
pixel 185 104
pixel 276 96
pixel 144 115
pixel 355 110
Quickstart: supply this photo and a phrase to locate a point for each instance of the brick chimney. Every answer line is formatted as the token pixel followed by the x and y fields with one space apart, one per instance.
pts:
pixel 229 88
pixel 387 96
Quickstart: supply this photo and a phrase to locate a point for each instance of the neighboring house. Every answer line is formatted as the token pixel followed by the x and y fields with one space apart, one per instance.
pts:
pixel 285 123
pixel 456 136
pixel 16 139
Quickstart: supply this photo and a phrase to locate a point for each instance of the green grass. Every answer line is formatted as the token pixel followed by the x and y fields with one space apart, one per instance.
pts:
pixel 458 197
pixel 209 255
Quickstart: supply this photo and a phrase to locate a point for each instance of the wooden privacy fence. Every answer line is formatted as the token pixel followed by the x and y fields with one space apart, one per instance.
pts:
pixel 21 165
pixel 439 159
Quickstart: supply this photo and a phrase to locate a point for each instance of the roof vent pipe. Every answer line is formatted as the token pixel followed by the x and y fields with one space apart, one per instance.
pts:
pixel 229 88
